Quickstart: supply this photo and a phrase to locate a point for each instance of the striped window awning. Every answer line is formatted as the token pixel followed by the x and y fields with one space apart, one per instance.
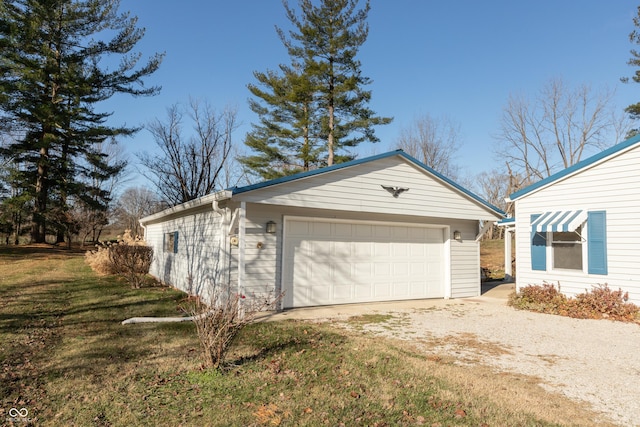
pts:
pixel 559 221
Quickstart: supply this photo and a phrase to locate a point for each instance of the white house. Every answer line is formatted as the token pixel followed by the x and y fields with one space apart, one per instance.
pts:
pixel 382 228
pixel 581 227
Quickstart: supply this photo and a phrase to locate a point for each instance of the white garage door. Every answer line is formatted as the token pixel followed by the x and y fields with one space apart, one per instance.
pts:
pixel 334 262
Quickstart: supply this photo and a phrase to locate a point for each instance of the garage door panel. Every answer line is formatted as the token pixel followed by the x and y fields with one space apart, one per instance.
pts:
pixel 400 289
pixel 343 230
pixel 400 232
pixel 321 228
pixel 417 250
pixel 401 269
pixel 362 250
pixel 382 270
pixel 363 271
pixel 382 231
pixel 382 250
pixel 399 250
pixel 338 262
pixel 298 228
pixel 340 249
pixel 363 291
pixel 382 291
pixel 364 230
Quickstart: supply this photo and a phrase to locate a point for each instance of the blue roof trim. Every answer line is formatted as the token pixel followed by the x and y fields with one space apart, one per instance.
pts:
pixel 506 221
pixel 288 178
pixel 285 179
pixel 580 165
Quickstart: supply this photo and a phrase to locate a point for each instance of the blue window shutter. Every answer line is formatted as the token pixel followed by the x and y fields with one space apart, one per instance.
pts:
pixel 538 249
pixel 597 242
pixel 175 242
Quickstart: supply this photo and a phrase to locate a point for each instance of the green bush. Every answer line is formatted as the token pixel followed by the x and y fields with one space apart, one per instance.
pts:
pixel 599 303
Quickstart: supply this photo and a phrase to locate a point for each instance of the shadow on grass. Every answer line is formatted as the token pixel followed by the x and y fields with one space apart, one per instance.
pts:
pixel 39 251
pixel 262 340
pixel 71 328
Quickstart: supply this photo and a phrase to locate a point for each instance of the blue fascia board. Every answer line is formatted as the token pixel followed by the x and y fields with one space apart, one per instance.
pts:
pixel 575 168
pixel 301 175
pixel 507 221
pixel 285 179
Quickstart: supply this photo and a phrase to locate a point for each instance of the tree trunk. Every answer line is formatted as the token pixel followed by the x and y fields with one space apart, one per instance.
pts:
pixel 39 231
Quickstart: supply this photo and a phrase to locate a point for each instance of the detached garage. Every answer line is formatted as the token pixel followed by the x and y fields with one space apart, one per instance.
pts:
pixel 383 228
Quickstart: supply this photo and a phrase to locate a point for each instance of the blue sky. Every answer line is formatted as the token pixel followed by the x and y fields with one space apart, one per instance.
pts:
pixel 461 59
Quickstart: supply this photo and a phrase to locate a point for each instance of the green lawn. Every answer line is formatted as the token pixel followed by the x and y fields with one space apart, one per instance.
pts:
pixel 66 358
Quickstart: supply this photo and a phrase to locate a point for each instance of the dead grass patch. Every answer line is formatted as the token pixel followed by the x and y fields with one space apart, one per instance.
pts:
pixel 519 396
pixel 469 342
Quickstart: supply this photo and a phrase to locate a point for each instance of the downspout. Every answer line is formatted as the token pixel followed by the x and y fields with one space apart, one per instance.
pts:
pixel 224 239
pixel 241 247
pixel 144 230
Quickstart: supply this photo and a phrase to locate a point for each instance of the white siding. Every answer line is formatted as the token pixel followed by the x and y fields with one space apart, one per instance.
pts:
pixel 465 261
pixel 196 267
pixel 358 189
pixel 263 266
pixel 352 193
pixel 612 186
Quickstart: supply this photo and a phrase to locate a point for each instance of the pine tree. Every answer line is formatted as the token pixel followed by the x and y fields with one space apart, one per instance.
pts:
pixel 287 139
pixel 634 37
pixel 327 40
pixel 314 109
pixel 52 77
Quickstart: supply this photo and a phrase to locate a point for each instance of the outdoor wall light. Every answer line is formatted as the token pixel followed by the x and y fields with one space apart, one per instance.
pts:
pixel 457 235
pixel 271 227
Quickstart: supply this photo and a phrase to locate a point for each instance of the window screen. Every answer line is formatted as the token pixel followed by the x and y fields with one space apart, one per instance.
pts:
pixel 567 250
pixel 171 242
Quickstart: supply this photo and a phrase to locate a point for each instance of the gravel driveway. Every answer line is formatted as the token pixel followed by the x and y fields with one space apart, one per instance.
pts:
pixel 596 361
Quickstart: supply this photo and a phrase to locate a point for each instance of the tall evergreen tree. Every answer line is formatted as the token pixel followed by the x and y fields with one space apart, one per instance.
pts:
pixel 314 109
pixel 288 138
pixel 634 61
pixel 52 75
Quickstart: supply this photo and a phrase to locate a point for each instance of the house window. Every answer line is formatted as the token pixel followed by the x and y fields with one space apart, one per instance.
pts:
pixel 567 249
pixel 171 242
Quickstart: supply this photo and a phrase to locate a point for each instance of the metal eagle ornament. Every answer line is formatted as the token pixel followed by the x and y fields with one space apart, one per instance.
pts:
pixel 395 191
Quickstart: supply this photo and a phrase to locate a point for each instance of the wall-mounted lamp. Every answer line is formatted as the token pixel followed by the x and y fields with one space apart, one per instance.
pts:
pixel 457 235
pixel 271 227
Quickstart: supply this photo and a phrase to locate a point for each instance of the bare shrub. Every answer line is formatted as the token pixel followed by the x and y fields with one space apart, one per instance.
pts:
pixel 131 262
pixel 545 298
pixel 219 321
pixel 129 257
pixel 603 303
pixel 98 259
pixel 599 303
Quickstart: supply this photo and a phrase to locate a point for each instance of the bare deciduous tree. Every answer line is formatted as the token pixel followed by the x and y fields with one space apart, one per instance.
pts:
pixel 556 130
pixel 189 166
pixel 493 186
pixel 134 204
pixel 433 141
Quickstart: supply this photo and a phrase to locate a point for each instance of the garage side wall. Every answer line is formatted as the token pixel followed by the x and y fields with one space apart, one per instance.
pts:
pixel 194 263
pixel 262 253
pixel 465 260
